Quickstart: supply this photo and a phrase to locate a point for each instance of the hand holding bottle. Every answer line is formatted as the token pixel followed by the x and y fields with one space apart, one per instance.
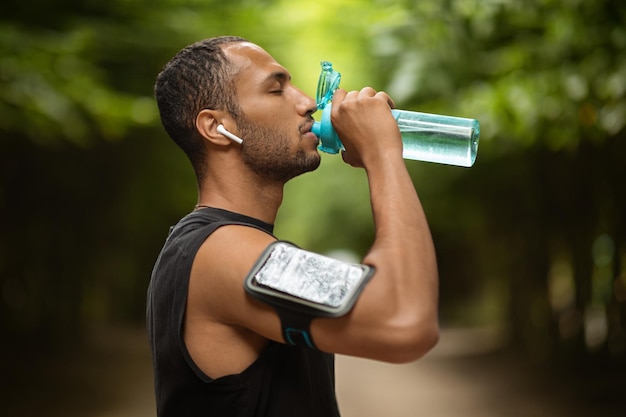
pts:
pixel 364 121
pixel 425 137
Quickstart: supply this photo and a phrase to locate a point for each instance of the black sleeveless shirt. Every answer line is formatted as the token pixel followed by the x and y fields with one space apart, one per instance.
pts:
pixel 284 381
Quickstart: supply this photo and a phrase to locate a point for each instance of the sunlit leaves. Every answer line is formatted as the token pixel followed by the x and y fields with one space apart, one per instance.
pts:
pixel 535 71
pixel 51 91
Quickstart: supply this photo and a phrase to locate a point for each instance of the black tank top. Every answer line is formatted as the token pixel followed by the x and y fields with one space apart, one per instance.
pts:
pixel 284 381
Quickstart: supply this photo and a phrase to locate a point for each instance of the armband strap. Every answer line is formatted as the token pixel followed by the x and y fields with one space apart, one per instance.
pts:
pixel 296 328
pixel 302 285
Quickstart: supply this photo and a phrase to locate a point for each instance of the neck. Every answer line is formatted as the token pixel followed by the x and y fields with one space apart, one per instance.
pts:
pixel 251 199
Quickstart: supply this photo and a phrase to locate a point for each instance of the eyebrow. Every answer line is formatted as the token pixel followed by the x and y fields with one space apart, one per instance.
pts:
pixel 281 76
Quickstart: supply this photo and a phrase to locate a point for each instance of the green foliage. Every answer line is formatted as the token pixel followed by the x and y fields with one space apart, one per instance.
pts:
pixel 328 210
pixel 91 182
pixel 536 71
pixel 547 81
pixel 52 93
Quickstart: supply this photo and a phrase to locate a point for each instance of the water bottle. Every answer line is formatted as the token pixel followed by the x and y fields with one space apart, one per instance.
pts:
pixel 425 137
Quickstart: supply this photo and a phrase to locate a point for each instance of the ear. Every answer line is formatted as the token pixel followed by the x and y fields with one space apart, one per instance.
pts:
pixel 207 122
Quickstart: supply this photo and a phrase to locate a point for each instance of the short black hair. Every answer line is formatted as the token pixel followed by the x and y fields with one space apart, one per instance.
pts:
pixel 198 77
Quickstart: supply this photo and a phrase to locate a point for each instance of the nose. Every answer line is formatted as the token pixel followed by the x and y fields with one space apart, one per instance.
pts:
pixel 306 105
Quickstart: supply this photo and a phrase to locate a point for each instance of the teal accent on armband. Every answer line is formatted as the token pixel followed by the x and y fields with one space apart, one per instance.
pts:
pixel 298 337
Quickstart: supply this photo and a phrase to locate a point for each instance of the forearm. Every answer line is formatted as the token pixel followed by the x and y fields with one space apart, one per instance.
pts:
pixel 403 252
pixel 402 231
pixel 395 318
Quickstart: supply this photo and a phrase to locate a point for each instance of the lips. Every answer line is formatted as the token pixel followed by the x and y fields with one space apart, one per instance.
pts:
pixel 312 136
pixel 305 131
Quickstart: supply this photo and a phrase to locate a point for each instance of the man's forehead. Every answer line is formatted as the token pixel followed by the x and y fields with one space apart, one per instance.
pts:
pixel 252 60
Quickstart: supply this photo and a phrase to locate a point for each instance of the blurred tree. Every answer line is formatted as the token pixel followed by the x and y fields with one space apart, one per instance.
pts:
pixel 547 80
pixel 535 232
pixel 80 163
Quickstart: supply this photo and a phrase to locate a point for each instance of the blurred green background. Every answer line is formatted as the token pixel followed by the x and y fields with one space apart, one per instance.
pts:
pixel 531 241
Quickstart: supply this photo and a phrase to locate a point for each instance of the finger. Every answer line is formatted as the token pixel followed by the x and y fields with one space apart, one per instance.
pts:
pixel 367 92
pixel 339 95
pixel 352 95
pixel 386 97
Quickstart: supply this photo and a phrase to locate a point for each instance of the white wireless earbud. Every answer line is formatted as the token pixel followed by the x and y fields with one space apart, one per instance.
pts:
pixel 229 135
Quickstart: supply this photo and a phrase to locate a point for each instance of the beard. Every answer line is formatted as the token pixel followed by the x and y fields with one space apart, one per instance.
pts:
pixel 265 151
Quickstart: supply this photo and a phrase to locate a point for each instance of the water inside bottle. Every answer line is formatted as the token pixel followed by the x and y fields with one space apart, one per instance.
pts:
pixel 452 144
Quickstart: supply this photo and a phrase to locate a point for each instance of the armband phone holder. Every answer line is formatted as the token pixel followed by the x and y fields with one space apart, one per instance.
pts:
pixel 302 285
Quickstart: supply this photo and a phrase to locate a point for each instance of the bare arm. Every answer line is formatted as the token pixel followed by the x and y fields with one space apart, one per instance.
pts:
pixel 395 318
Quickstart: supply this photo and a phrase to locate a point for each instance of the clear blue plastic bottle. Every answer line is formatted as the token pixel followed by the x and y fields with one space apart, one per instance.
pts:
pixel 425 137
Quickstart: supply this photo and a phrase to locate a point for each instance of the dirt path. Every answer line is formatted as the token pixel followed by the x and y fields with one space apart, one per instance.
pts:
pixel 114 379
pixel 462 377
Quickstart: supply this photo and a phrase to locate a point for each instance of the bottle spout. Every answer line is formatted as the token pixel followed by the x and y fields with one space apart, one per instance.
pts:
pixel 329 141
pixel 317 129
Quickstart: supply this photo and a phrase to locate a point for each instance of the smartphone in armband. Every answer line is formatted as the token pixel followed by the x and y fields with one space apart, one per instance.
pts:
pixel 287 277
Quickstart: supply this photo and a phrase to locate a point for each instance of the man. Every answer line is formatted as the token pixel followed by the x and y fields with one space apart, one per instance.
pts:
pixel 225 347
